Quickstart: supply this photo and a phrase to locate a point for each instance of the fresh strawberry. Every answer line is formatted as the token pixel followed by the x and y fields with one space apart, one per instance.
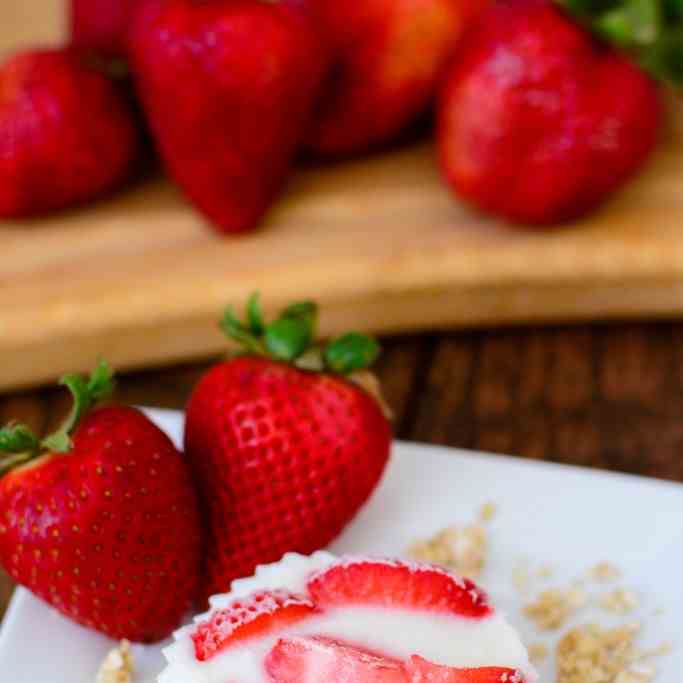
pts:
pixel 284 456
pixel 539 122
pixel 421 671
pixel 392 583
pixel 389 57
pixel 228 87
pixel 102 25
pixel 312 660
pixel 67 134
pixel 100 519
pixel 255 615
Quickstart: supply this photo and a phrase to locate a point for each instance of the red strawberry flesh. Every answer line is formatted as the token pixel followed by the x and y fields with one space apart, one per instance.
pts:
pixel 393 583
pixel 255 615
pixel 389 58
pixel 102 25
pixel 419 670
pixel 284 458
pixel 227 87
pixel 538 121
pixel 108 533
pixel 313 660
pixel 67 134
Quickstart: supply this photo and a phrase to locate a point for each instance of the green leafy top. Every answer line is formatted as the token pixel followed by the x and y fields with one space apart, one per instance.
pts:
pixel 651 30
pixel 18 444
pixel 290 338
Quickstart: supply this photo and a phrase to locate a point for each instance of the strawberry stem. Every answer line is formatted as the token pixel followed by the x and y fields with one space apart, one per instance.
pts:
pixel 19 445
pixel 650 30
pixel 85 394
pixel 290 338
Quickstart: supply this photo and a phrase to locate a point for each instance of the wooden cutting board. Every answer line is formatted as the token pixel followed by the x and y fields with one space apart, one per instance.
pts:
pixel 380 242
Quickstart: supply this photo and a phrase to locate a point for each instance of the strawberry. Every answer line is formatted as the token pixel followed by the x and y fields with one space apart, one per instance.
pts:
pixel 285 448
pixel 67 134
pixel 539 122
pixel 100 519
pixel 419 670
pixel 102 25
pixel 389 56
pixel 227 87
pixel 257 614
pixel 312 660
pixel 392 583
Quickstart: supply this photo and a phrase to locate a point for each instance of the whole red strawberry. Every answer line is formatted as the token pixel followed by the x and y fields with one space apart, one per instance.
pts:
pixel 228 87
pixel 389 57
pixel 285 447
pixel 100 519
pixel 102 25
pixel 540 122
pixel 67 134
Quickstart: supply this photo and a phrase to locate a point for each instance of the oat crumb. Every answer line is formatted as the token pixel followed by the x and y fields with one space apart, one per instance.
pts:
pixel 117 666
pixel 546 572
pixel 521 579
pixel 619 601
pixel 553 607
pixel 591 654
pixel 459 548
pixel 604 572
pixel 488 511
pixel 659 651
pixel 537 652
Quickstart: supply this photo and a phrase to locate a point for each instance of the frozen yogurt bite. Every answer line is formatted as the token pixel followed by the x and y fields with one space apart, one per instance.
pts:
pixel 323 619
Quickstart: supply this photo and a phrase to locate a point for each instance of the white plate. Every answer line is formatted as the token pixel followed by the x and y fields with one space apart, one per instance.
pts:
pixel 568 517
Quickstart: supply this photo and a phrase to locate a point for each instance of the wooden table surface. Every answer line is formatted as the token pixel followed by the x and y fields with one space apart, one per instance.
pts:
pixel 602 396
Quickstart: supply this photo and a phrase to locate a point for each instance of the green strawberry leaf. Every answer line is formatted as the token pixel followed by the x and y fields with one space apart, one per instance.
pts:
pixel 85 394
pixel 255 314
pixel 350 352
pixel 650 30
pixel 290 338
pixel 17 438
pixel 235 330
pixel 287 338
pixel 303 309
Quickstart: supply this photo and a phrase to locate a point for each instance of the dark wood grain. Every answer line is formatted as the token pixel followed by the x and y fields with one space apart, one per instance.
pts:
pixel 601 396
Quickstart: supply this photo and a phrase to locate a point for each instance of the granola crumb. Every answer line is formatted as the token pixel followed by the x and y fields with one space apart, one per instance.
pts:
pixel 619 601
pixel 537 652
pixel 604 572
pixel 459 548
pixel 545 572
pixel 117 666
pixel 553 607
pixel 488 511
pixel 591 654
pixel 521 578
pixel 659 651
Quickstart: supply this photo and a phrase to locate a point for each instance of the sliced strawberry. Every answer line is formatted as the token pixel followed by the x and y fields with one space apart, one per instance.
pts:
pixel 421 671
pixel 312 660
pixel 397 584
pixel 255 615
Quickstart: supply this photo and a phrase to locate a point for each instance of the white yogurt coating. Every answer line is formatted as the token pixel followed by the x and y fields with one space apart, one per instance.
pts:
pixel 399 633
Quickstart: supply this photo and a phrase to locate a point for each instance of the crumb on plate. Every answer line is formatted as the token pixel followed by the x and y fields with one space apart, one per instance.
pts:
pixel 521 578
pixel 545 572
pixel 591 654
pixel 117 666
pixel 604 572
pixel 619 601
pixel 554 606
pixel 459 548
pixel 537 652
pixel 488 511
